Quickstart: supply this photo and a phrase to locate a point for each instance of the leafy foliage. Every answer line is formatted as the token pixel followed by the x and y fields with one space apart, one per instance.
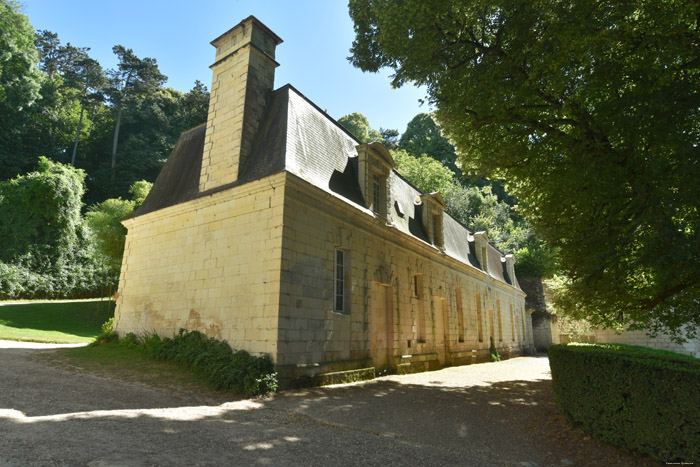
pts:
pixel 495 356
pixel 590 111
pixel 138 191
pixel 640 399
pixel 108 333
pixel 423 136
pixel 105 219
pixel 20 82
pixel 224 368
pixel 480 210
pixel 47 248
pixel 56 101
pixel 358 125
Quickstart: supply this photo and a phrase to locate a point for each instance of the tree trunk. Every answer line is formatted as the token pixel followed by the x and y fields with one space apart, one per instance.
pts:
pixel 114 144
pixel 77 135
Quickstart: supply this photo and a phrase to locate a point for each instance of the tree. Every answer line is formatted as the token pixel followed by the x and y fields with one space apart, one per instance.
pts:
pixel 134 77
pixel 20 82
pixel 590 111
pixel 358 125
pixel 390 138
pixel 105 219
pixel 88 76
pixel 48 45
pixel 138 191
pixel 195 106
pixel 478 209
pixel 78 71
pixel 47 248
pixel 423 136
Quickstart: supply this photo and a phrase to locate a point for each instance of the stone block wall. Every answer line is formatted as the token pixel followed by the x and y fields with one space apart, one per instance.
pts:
pixel 211 264
pixel 663 342
pixel 382 263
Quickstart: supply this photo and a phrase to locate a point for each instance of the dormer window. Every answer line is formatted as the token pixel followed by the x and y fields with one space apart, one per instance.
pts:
pixel 433 208
pixel 510 268
pixel 482 243
pixel 375 164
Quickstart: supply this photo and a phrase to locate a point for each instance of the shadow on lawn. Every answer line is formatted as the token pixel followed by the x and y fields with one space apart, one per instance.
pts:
pixel 83 318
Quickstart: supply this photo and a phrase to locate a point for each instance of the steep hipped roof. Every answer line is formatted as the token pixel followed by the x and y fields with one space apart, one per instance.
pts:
pixel 297 136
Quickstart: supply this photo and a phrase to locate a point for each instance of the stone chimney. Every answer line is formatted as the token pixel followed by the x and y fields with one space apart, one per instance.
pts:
pixel 244 75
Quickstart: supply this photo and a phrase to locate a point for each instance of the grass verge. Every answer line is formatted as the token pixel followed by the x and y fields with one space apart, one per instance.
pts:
pixel 120 362
pixel 61 322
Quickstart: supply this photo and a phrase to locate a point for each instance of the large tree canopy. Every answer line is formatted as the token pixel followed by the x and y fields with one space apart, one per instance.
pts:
pixel 591 111
pixel 20 81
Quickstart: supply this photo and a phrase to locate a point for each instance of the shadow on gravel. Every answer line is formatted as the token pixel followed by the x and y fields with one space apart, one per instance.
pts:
pixel 381 422
pixel 507 422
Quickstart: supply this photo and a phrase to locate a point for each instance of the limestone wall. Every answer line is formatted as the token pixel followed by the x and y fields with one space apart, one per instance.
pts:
pixel 387 323
pixel 663 342
pixel 211 264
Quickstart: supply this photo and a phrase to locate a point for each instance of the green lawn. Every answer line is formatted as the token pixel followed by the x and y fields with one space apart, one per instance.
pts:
pixel 63 322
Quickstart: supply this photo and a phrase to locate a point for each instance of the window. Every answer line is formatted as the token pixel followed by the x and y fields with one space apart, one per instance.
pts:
pixel 433 207
pixel 420 311
pixel 500 323
pixel 460 315
pixel 375 165
pixel 376 194
pixel 479 318
pixel 481 241
pixel 437 230
pixel 418 285
pixel 512 323
pixel 340 269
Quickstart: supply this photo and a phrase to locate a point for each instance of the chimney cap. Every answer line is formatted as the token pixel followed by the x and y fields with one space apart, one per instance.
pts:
pixel 257 22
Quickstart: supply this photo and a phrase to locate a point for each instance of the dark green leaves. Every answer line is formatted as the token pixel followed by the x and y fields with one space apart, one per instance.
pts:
pixel 590 111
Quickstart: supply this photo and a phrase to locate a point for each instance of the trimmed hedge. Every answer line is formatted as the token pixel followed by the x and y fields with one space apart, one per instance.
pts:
pixel 640 399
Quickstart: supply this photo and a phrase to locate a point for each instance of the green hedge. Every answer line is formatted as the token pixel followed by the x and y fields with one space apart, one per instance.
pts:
pixel 643 400
pixel 224 368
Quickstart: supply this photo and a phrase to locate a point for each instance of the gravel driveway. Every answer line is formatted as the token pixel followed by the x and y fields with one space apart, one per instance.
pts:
pixel 489 414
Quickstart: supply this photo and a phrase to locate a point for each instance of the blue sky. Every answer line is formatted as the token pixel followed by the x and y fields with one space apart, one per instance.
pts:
pixel 317 37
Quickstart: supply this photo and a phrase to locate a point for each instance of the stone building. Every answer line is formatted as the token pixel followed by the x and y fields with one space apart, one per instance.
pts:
pixel 273 228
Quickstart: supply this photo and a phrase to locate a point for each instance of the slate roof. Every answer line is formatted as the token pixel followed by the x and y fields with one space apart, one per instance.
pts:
pixel 297 136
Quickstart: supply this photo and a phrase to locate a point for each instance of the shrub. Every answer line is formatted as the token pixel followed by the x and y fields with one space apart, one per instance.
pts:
pixel 130 341
pixel 108 334
pixel 495 356
pixel 640 399
pixel 225 369
pixel 47 249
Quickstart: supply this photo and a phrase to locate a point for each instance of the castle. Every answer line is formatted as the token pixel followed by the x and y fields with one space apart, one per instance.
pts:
pixel 273 228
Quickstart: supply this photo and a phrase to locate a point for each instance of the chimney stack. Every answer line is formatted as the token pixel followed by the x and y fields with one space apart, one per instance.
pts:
pixel 244 76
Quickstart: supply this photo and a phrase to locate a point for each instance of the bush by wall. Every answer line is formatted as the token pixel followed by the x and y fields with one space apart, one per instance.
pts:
pixel 225 369
pixel 643 400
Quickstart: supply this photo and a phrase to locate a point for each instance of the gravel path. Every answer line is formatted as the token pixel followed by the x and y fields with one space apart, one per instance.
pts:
pixel 489 414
